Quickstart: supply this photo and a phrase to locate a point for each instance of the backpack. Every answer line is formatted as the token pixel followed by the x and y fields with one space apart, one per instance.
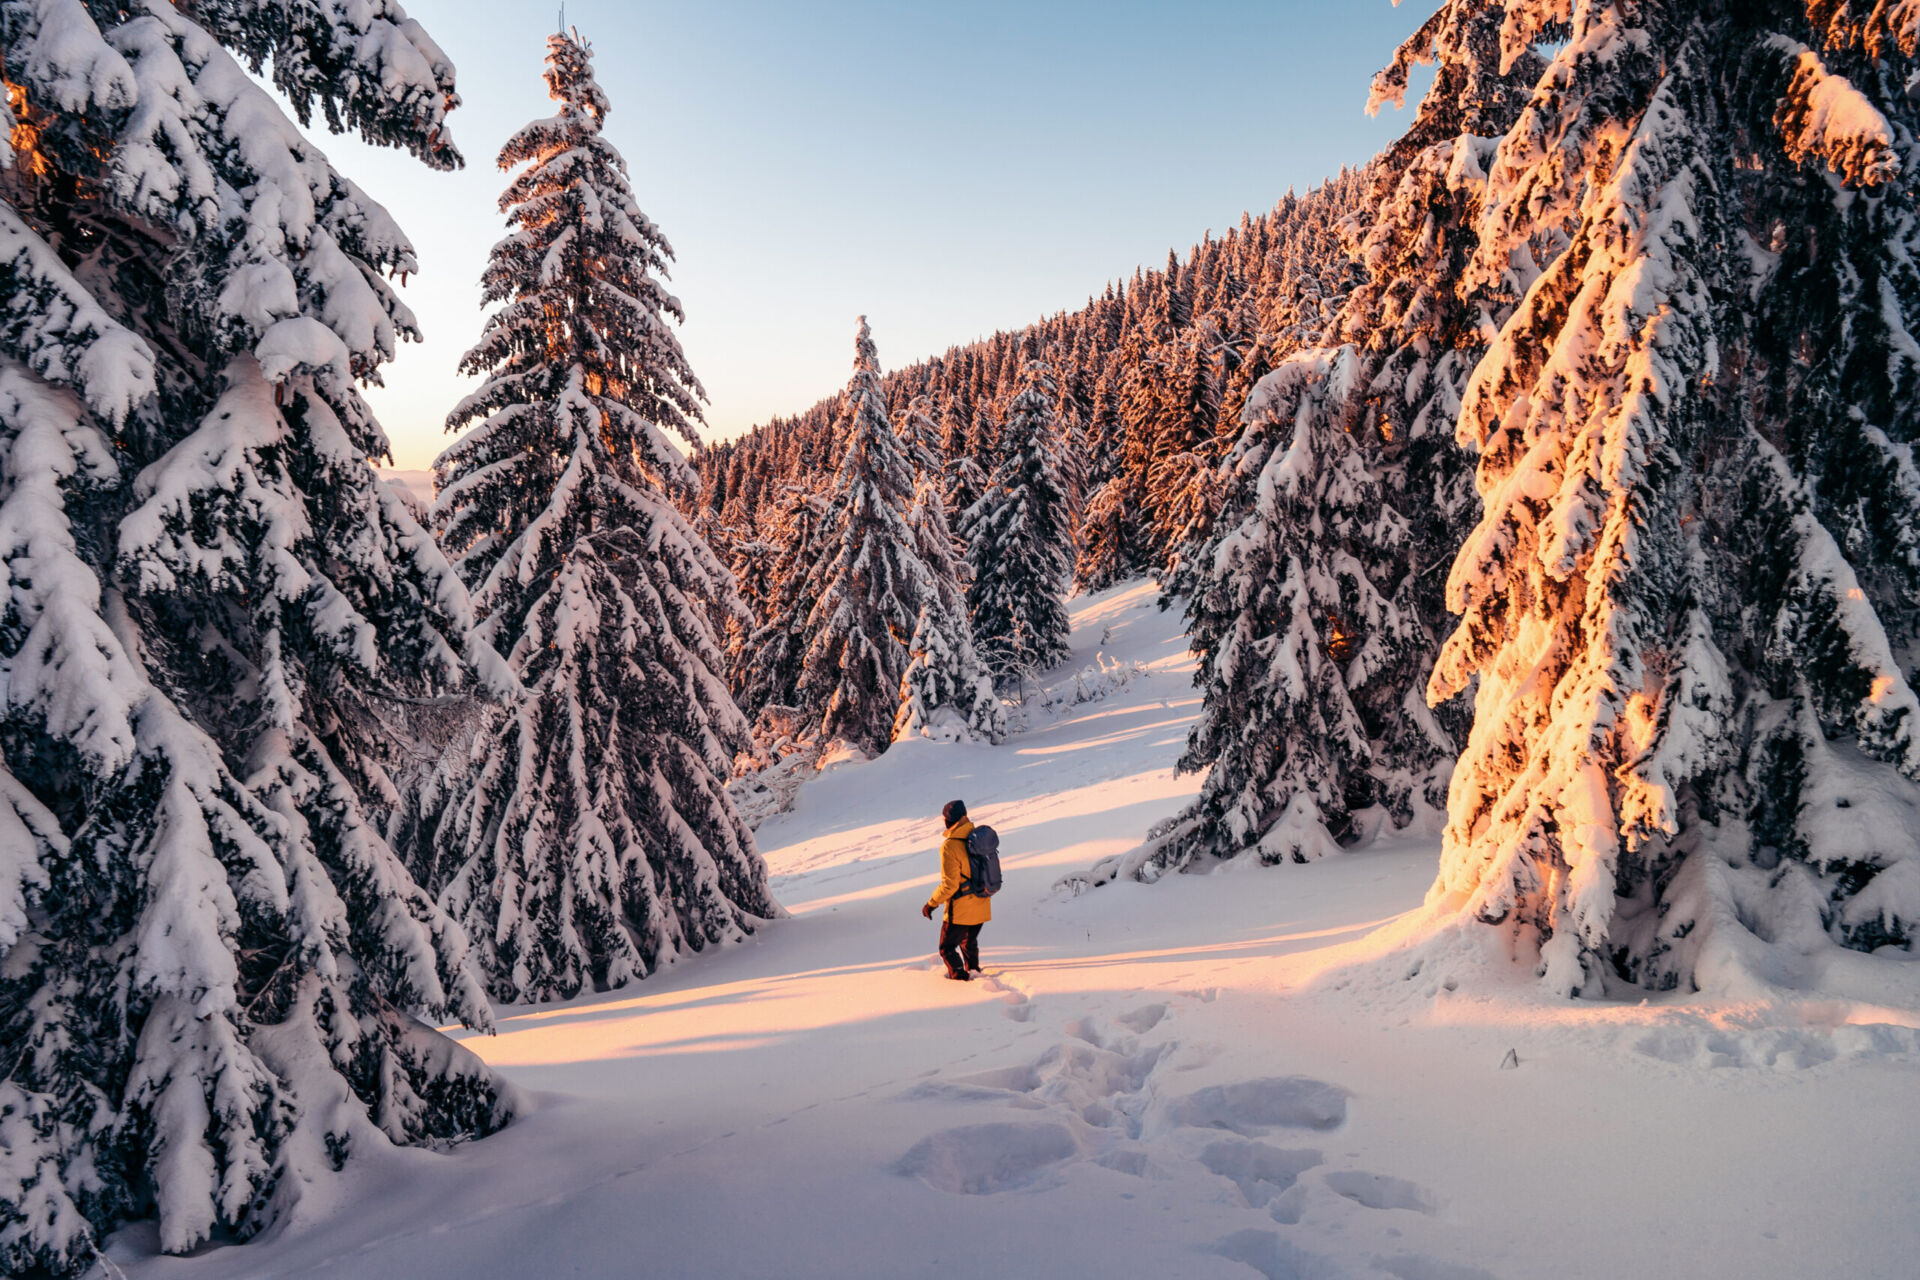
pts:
pixel 983 863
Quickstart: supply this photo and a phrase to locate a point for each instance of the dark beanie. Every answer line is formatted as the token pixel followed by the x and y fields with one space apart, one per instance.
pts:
pixel 955 810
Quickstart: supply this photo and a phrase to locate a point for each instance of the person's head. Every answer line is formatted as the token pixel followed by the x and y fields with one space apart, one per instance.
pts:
pixel 955 810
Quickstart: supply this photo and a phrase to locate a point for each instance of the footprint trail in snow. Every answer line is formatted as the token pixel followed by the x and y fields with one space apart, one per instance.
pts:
pixel 1102 1095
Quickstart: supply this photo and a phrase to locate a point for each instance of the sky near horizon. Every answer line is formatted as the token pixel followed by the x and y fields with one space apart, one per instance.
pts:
pixel 945 169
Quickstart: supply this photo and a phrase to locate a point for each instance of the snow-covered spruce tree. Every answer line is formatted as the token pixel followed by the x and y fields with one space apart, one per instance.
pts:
pixel 587 838
pixel 1317 607
pixel 1144 404
pixel 920 437
pixel 211 964
pixel 963 481
pixel 970 474
pixel 1181 491
pixel 1690 604
pixel 1307 634
pixel 765 672
pixel 967 482
pixel 1104 553
pixel 1018 541
pixel 946 693
pixel 751 564
pixel 869 580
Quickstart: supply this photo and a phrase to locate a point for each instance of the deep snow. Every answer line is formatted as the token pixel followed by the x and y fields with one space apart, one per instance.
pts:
pixel 1238 1075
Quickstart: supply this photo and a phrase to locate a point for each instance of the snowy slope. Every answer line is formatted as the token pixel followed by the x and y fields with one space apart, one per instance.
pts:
pixel 1230 1076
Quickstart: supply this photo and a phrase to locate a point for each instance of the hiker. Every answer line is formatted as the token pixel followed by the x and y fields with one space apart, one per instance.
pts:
pixel 967 909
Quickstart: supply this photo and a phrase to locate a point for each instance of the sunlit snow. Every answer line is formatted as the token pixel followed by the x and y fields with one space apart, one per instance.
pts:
pixel 1264 1072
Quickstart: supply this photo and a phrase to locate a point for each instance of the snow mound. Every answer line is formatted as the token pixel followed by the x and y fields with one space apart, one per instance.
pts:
pixel 1098 680
pixel 1259 1170
pixel 1252 1106
pixel 980 1159
pixel 1381 1191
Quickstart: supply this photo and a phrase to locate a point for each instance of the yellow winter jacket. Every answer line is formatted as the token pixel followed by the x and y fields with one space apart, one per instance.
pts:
pixel 969 909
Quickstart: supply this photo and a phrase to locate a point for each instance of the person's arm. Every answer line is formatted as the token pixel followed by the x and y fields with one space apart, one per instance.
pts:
pixel 952 871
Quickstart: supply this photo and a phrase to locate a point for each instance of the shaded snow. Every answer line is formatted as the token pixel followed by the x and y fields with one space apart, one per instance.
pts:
pixel 1281 1072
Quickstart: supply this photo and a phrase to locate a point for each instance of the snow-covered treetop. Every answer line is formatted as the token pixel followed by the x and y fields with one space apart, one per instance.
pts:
pixel 585 377
pixel 580 274
pixel 569 77
pixel 863 390
pixel 1478 85
pixel 873 482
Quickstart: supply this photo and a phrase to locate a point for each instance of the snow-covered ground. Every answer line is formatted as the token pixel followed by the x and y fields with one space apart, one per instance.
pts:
pixel 1239 1075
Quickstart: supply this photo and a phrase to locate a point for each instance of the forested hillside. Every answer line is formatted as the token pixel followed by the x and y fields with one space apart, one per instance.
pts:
pixel 1152 377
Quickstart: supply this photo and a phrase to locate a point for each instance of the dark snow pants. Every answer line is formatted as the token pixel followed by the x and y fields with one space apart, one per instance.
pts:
pixel 960 946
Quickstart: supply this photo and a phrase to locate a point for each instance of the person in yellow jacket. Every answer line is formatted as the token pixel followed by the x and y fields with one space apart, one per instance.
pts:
pixel 966 911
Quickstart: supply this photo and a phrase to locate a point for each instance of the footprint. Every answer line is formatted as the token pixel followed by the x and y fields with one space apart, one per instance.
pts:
pixel 1409 1266
pixel 1019 1004
pixel 1023 1079
pixel 997 984
pixel 1143 1020
pixel 1289 1205
pixel 1196 1055
pixel 1379 1191
pixel 1002 1084
pixel 1128 1160
pixel 1251 1106
pixel 1275 1258
pixel 1775 1047
pixel 1084 1029
pixel 1259 1170
pixel 980 1159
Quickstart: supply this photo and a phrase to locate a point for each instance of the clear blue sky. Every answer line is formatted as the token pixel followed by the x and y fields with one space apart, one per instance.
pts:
pixel 947 169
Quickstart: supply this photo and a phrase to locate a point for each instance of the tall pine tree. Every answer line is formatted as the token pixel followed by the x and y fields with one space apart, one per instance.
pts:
pixel 587 838
pixel 1019 542
pixel 946 693
pixel 1308 642
pixel 212 966
pixel 870 582
pixel 1181 489
pixel 920 436
pixel 765 671
pixel 1105 549
pixel 1689 607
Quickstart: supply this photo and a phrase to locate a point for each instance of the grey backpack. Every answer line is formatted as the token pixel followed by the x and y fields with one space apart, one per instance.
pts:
pixel 983 863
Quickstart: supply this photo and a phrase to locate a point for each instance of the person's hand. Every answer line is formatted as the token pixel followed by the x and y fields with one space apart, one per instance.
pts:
pixel 926 911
